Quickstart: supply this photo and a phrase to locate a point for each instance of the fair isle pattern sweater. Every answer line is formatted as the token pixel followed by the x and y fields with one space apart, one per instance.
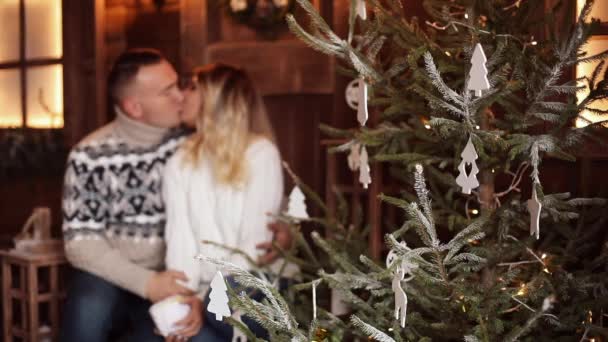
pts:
pixel 113 212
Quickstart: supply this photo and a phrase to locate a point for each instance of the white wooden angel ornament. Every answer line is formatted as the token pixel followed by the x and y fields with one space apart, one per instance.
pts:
pixel 354 157
pixel 405 267
pixel 468 181
pixel 478 76
pixel 364 170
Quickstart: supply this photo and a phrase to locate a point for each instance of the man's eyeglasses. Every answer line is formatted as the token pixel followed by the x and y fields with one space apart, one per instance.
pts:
pixel 187 82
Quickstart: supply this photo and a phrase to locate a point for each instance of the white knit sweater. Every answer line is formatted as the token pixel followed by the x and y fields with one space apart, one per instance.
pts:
pixel 199 208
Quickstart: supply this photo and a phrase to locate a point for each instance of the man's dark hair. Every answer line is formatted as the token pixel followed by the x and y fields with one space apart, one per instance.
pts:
pixel 126 67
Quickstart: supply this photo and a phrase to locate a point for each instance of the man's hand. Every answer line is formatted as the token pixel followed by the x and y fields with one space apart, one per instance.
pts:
pixel 164 284
pixel 281 236
pixel 192 323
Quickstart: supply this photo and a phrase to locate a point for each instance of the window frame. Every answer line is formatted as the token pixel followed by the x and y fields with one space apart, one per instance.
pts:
pixel 23 64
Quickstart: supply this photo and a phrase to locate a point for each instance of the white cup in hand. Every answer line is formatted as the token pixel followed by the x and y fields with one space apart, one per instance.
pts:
pixel 167 312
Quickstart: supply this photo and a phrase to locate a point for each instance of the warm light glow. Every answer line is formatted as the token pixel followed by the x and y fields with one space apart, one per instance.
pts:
pixel 49 80
pixel 477 127
pixel 594 46
pixel 546 270
pixel 475 211
pixel 43 39
pixel 9 31
pixel 43 29
pixel 599 9
pixel 544 256
pixel 427 126
pixel 10 98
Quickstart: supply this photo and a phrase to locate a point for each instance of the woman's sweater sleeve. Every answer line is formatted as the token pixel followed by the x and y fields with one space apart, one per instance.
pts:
pixel 182 247
pixel 263 195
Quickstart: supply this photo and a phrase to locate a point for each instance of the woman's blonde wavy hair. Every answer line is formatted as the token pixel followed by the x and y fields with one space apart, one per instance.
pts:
pixel 231 116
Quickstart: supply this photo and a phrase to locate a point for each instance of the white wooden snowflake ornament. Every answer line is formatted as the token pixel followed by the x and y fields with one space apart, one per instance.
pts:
pixel 365 177
pixel 534 207
pixel 478 76
pixel 296 207
pixel 351 94
pixel 468 181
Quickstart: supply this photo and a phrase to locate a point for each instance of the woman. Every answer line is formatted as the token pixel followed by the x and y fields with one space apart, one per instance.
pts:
pixel 225 180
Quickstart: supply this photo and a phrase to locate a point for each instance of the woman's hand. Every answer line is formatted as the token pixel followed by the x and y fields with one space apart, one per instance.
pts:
pixel 281 236
pixel 192 323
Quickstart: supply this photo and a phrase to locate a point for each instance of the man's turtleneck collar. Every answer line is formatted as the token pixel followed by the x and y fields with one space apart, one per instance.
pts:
pixel 137 133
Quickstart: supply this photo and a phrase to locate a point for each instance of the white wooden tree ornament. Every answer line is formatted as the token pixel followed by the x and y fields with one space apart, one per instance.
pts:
pixel 468 181
pixel 218 298
pixel 364 170
pixel 478 76
pixel 534 207
pixel 296 207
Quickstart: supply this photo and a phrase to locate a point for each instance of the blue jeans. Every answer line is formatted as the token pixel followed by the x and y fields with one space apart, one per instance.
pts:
pixel 98 311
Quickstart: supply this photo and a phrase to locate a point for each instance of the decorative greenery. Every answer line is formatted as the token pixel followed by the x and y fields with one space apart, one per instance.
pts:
pixel 263 15
pixel 31 151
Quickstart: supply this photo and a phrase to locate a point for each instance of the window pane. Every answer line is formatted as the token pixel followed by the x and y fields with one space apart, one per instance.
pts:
pixel 596 45
pixel 598 11
pixel 10 98
pixel 9 30
pixel 43 28
pixel 45 96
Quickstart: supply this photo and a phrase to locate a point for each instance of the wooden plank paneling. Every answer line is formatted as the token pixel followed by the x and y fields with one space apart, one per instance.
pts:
pixel 278 68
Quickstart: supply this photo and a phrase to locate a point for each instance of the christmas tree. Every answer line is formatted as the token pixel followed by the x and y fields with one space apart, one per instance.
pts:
pixel 473 271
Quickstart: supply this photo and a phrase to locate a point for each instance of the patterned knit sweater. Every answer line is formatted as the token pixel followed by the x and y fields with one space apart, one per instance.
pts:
pixel 113 212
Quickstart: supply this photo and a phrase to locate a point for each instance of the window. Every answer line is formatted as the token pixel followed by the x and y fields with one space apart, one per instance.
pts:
pixel 31 64
pixel 597 44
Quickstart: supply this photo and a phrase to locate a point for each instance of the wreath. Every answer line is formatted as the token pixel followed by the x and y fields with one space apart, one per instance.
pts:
pixel 265 15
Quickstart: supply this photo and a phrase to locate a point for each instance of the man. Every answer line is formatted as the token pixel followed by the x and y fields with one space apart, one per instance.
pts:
pixel 113 211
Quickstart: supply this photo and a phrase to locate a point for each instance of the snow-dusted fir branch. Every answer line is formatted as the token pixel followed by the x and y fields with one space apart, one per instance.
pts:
pixel 277 314
pixel 370 330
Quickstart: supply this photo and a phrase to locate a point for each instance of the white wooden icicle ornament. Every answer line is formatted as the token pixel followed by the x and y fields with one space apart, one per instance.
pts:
pixel 218 298
pixel 237 334
pixel 361 11
pixel 468 181
pixel 478 76
pixel 296 207
pixel 365 177
pixel 534 207
pixel 362 114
